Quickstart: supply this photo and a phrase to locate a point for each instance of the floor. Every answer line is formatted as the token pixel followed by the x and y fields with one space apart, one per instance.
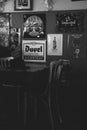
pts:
pixel 71 106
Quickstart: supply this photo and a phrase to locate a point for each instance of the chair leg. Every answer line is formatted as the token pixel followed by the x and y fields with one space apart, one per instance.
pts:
pixel 50 110
pixel 25 108
pixel 48 105
pixel 35 108
pixel 18 106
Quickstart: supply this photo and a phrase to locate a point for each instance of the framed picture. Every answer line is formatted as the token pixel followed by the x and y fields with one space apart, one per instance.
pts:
pixel 55 44
pixel 69 22
pixel 75 48
pixel 22 4
pixel 34 26
pixel 34 50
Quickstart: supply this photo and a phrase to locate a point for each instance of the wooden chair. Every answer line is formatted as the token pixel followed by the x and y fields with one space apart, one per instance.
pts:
pixel 5 62
pixel 56 81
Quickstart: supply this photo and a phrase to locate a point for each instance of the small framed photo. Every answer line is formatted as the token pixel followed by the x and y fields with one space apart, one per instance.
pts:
pixel 55 44
pixel 22 4
pixel 34 50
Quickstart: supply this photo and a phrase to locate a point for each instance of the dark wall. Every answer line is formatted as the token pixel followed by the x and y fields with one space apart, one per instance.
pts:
pixel 51 28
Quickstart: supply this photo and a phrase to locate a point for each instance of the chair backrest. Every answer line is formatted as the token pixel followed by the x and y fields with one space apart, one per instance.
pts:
pixel 56 69
pixel 5 62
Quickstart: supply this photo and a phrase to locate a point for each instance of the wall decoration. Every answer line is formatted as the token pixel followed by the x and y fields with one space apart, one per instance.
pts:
pixel 55 44
pixel 49 4
pixel 34 26
pixel 34 50
pixel 75 46
pixel 14 43
pixel 22 4
pixel 69 22
pixel 14 37
pixel 4 29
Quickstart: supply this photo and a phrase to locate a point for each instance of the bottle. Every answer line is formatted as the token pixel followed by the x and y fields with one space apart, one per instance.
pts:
pixel 54 43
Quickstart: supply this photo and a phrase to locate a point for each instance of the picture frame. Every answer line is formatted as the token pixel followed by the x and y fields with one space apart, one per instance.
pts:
pixel 71 22
pixel 22 5
pixel 55 44
pixel 75 49
pixel 34 50
pixel 34 26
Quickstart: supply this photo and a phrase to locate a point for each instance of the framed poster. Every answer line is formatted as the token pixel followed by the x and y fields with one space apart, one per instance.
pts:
pixel 55 44
pixel 34 26
pixel 34 50
pixel 22 4
pixel 4 29
pixel 75 46
pixel 69 22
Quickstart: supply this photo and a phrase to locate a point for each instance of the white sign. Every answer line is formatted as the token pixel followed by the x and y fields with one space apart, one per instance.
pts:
pixel 55 44
pixel 34 50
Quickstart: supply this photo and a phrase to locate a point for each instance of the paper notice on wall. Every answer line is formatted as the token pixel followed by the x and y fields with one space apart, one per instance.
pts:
pixel 55 44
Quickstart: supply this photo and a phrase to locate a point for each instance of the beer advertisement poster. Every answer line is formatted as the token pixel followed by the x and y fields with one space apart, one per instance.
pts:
pixel 34 50
pixel 55 44
pixel 34 26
